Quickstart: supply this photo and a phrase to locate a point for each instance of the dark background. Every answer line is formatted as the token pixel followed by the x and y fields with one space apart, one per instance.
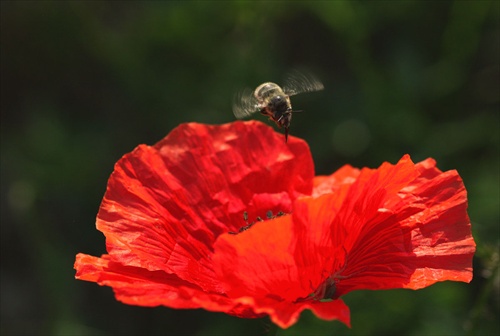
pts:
pixel 83 83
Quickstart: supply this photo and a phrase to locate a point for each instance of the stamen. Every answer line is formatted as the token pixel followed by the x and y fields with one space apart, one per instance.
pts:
pixel 269 215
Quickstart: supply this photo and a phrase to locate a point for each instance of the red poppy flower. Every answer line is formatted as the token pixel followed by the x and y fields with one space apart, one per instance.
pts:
pixel 231 218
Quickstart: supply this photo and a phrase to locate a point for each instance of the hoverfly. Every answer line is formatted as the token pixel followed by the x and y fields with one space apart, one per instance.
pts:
pixel 273 101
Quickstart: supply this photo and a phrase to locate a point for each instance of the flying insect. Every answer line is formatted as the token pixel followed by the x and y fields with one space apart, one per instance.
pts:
pixel 273 101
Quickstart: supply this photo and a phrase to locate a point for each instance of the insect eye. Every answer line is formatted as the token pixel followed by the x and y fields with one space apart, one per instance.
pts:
pixel 276 101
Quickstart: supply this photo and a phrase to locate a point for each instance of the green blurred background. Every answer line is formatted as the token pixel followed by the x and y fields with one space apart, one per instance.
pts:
pixel 83 83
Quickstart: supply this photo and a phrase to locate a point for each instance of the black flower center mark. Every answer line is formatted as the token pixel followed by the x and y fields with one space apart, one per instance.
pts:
pixel 327 289
pixel 324 292
pixel 269 215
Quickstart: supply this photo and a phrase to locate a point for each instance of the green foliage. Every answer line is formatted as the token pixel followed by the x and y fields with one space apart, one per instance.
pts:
pixel 82 83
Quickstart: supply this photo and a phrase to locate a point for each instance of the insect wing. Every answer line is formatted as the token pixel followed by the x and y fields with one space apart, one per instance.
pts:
pixel 301 81
pixel 244 104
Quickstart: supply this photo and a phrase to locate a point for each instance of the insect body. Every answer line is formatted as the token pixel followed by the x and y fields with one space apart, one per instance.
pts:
pixel 273 101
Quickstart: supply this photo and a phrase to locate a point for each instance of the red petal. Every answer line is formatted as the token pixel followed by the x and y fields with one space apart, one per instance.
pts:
pixel 317 244
pixel 165 206
pixel 137 286
pixel 257 262
pixel 440 232
pixel 405 231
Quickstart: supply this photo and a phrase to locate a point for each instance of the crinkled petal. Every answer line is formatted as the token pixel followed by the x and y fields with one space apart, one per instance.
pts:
pixel 441 231
pixel 138 286
pixel 414 231
pixel 165 205
pixel 135 285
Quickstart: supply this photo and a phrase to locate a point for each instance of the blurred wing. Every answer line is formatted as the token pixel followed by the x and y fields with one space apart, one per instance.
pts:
pixel 301 81
pixel 244 104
